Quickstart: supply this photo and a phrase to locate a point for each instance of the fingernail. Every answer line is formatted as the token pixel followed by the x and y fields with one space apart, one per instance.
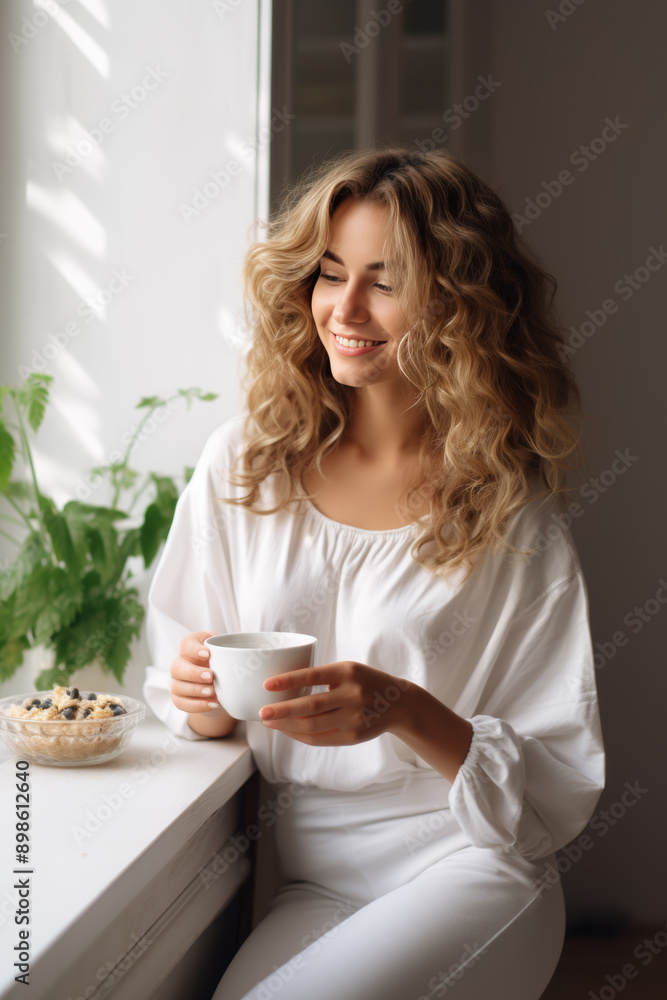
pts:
pixel 205 690
pixel 203 652
pixel 206 675
pixel 213 704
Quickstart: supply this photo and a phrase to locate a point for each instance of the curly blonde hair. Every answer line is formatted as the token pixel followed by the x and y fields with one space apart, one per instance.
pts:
pixel 492 386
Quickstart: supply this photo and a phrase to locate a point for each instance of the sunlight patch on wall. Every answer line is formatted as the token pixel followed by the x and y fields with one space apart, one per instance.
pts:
pixel 97 9
pixel 72 273
pixel 69 214
pixel 75 148
pixel 87 46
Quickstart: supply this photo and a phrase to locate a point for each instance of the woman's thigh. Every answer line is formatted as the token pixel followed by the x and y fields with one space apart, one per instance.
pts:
pixel 470 923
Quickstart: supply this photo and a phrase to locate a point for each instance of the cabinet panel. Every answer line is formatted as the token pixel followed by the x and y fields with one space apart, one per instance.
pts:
pixel 197 975
pixel 170 938
pixel 156 927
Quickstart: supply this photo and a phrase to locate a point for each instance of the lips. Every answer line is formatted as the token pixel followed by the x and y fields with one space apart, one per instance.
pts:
pixel 352 352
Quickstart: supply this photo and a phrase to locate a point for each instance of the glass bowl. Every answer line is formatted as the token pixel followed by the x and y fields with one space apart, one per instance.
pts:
pixel 65 742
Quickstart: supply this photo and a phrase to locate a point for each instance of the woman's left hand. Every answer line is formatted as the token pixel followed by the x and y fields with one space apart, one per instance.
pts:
pixel 361 703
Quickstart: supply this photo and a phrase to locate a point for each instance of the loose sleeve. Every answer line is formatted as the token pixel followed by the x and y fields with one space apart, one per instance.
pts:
pixel 191 590
pixel 535 767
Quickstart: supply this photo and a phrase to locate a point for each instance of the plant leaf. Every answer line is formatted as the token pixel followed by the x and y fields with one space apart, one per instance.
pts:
pixel 166 495
pixel 97 551
pixel 100 470
pixel 151 532
pixel 7 456
pixel 45 586
pixel 30 597
pixel 63 545
pixel 122 475
pixel 47 622
pixel 92 587
pixel 127 615
pixel 130 546
pixel 74 509
pixel 79 643
pixel 19 490
pixel 7 620
pixel 46 504
pixel 113 562
pixel 66 599
pixel 34 396
pixel 150 401
pixel 52 675
pixel 197 394
pixel 102 630
pixel 31 555
pixel 11 655
pixel 78 529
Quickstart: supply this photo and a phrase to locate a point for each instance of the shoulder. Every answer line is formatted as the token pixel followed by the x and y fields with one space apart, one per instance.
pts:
pixel 216 459
pixel 547 559
pixel 224 443
pixel 229 434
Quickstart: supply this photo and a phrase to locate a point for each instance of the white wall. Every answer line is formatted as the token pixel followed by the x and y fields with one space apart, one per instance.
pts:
pixel 173 320
pixel 560 77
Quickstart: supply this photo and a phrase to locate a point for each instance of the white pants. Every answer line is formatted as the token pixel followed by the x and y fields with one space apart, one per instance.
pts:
pixel 385 899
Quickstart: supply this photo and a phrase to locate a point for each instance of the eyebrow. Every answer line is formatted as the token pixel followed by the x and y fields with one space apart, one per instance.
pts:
pixel 377 266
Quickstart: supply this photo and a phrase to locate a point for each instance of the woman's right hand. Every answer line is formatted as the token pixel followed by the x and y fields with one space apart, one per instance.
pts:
pixel 192 687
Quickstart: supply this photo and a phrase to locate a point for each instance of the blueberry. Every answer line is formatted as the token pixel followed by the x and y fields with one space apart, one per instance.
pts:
pixel 86 712
pixel 47 703
pixel 69 693
pixel 92 696
pixel 69 713
pixel 118 710
pixel 35 701
pixel 74 693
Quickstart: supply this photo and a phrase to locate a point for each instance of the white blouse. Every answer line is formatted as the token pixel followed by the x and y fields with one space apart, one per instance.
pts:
pixel 509 649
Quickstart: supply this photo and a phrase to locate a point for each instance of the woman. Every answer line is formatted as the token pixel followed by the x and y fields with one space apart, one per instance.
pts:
pixel 400 497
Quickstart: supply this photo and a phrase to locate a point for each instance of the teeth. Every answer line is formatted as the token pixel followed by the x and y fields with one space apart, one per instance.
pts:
pixel 356 343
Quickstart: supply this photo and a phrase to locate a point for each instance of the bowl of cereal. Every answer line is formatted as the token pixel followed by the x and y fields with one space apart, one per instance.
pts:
pixel 69 727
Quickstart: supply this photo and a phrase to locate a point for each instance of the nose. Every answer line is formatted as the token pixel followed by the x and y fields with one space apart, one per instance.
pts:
pixel 350 305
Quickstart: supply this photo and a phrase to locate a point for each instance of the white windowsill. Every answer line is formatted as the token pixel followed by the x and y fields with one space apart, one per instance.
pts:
pixel 100 834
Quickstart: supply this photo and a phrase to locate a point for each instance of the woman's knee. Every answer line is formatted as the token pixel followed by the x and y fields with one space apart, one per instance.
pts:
pixel 516 960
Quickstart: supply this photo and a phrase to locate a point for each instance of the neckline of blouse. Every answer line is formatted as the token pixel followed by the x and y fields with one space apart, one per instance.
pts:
pixel 352 528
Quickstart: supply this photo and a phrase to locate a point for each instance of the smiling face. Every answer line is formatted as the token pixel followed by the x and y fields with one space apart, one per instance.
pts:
pixel 353 298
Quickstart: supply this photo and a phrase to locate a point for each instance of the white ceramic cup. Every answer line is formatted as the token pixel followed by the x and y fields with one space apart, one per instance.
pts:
pixel 241 661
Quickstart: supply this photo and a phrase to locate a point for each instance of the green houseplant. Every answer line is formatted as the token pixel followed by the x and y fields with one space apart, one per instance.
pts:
pixel 68 588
